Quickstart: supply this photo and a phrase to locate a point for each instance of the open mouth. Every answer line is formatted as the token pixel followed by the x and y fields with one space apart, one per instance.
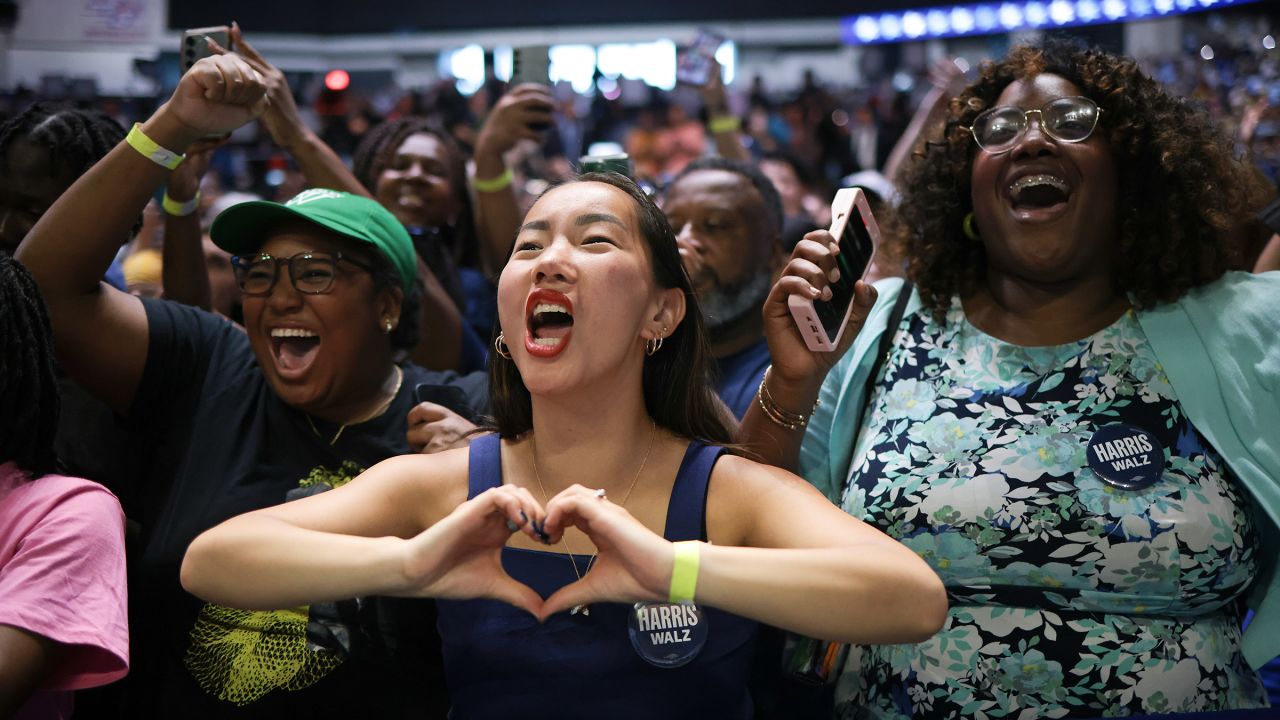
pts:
pixel 1040 192
pixel 294 349
pixel 548 323
pixel 410 198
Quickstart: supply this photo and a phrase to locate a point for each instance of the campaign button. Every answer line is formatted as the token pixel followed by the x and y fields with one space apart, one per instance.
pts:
pixel 1126 456
pixel 667 635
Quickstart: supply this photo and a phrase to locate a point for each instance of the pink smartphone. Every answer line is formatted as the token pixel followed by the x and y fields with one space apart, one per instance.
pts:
pixel 822 322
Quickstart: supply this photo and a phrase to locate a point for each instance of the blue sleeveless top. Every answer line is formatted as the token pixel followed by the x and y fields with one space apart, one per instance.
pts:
pixel 501 663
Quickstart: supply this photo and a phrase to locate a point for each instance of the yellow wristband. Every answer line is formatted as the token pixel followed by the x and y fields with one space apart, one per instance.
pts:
pixel 684 573
pixel 180 209
pixel 502 182
pixel 724 123
pixel 150 150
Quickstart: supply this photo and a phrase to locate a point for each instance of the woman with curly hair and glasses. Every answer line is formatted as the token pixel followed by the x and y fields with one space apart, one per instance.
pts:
pixel 1068 411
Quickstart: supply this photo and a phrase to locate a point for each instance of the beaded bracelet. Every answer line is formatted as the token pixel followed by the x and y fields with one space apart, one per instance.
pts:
pixel 782 418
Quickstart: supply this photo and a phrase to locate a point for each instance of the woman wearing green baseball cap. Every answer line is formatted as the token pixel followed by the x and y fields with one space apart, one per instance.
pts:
pixel 300 401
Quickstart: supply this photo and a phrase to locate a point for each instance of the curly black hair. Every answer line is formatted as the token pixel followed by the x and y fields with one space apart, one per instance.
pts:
pixel 1183 203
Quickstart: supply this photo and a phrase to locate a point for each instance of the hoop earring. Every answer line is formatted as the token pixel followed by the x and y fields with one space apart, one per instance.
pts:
pixel 653 345
pixel 500 347
pixel 969 230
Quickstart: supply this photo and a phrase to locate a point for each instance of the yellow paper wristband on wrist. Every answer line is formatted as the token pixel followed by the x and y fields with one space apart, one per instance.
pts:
pixel 502 182
pixel 150 150
pixel 684 573
pixel 180 209
pixel 724 123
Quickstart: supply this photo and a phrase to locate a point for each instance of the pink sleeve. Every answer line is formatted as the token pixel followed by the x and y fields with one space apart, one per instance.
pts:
pixel 66 579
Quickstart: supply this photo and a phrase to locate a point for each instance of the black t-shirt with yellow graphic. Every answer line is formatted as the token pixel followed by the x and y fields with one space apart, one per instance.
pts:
pixel 224 444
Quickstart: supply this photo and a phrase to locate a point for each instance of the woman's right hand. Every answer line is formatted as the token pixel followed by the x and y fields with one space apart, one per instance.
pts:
pixel 523 113
pixel 460 557
pixel 808 274
pixel 217 95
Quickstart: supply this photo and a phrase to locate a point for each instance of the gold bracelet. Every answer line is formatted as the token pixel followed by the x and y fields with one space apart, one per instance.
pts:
pixel 782 418
pixel 502 182
pixel 163 157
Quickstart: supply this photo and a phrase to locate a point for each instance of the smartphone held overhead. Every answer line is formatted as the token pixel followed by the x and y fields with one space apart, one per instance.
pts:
pixel 195 45
pixel 695 60
pixel 823 322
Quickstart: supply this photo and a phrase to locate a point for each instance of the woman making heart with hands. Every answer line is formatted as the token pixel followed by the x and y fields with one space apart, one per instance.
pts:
pixel 601 547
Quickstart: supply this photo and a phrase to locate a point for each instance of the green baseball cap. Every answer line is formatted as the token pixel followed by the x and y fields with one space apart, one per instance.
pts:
pixel 242 228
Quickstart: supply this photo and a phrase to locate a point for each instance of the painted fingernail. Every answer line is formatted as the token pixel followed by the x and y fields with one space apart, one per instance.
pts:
pixel 524 518
pixel 511 526
pixel 826 293
pixel 834 275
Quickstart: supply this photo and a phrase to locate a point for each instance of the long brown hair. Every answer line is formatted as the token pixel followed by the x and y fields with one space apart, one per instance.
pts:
pixel 677 385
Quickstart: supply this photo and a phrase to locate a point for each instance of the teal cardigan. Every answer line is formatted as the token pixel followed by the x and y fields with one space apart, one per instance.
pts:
pixel 1220 348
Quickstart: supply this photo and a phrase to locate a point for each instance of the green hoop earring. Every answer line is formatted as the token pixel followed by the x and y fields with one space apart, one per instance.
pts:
pixel 969 230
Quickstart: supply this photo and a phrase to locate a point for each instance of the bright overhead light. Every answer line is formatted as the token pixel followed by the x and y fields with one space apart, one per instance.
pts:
pixel 1011 15
pixel 1269 42
pixel 1206 52
pixel 867 29
pixel 913 25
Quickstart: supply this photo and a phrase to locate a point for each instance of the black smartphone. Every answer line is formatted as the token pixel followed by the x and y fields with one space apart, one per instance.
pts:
pixel 450 396
pixel 821 322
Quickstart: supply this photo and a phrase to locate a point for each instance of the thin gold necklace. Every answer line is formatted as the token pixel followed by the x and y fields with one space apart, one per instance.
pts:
pixel 564 539
pixel 378 411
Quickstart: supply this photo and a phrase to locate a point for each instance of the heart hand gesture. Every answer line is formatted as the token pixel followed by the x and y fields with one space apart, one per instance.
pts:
pixel 460 557
pixel 632 563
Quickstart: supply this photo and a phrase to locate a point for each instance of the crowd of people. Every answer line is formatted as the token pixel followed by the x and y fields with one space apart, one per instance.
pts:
pixel 442 427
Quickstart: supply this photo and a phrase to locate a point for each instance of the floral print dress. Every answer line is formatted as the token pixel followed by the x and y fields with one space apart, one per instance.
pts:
pixel 1069 597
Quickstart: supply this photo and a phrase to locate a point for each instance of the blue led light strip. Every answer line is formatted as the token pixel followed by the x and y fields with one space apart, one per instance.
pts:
pixel 1001 17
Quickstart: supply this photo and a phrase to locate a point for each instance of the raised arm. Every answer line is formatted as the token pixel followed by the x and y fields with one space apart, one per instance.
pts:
pixel 793 382
pixel 947 79
pixel 100 333
pixel 524 112
pixel 725 127
pixel 186 278
pixel 319 163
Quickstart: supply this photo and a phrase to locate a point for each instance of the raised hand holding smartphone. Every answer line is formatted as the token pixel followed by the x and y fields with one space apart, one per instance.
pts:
pixel 823 321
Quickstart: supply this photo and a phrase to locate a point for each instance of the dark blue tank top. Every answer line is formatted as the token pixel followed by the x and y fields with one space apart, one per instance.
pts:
pixel 501 663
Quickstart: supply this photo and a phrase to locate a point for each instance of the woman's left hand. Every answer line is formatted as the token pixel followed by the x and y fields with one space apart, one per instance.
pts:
pixel 632 562
pixel 435 428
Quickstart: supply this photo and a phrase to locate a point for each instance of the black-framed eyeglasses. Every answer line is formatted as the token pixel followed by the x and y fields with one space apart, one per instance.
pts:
pixel 1067 120
pixel 310 273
